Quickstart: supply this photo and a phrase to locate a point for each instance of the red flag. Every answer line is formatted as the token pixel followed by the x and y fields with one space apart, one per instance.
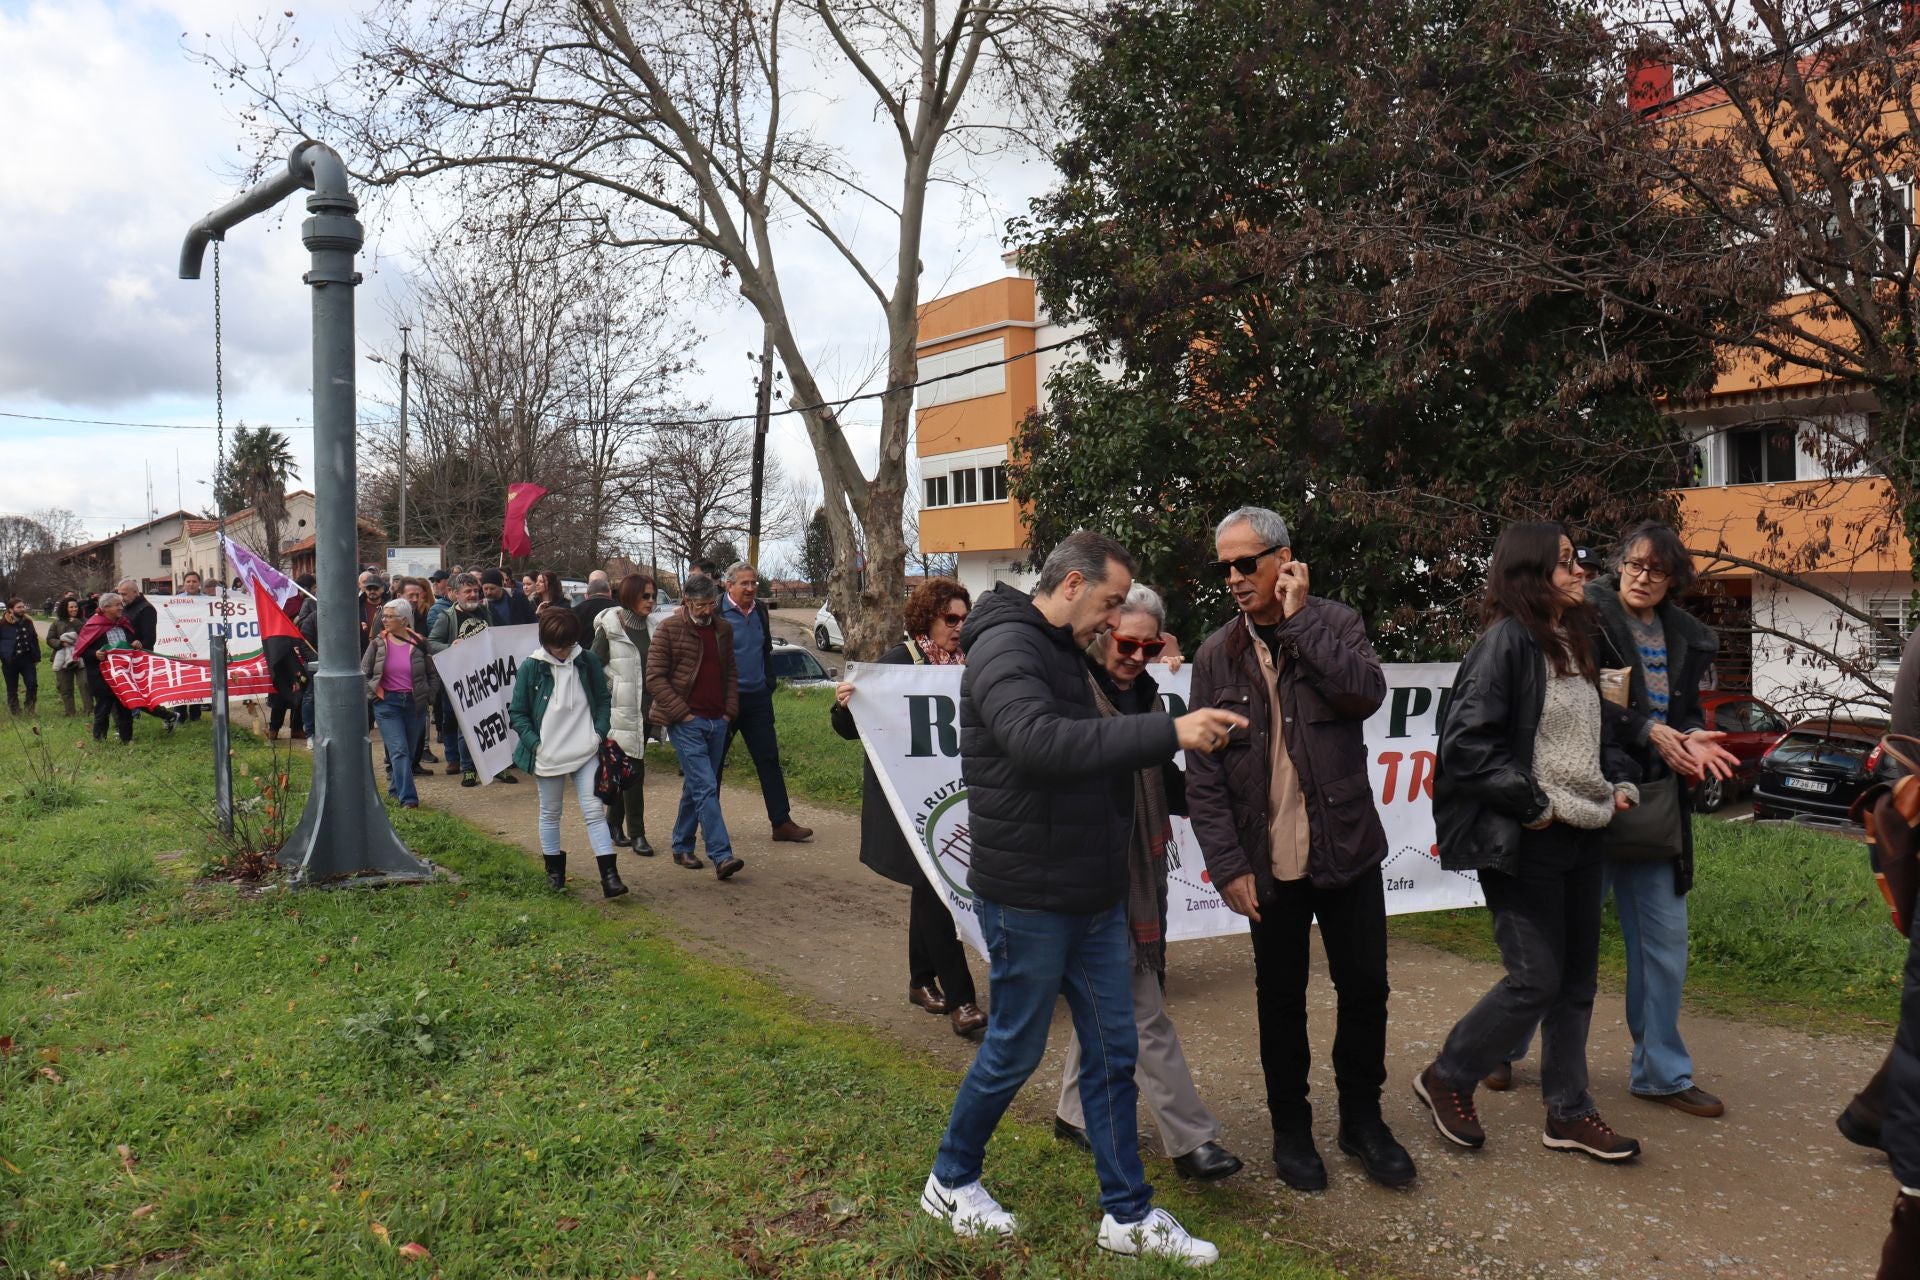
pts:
pixel 273 619
pixel 520 500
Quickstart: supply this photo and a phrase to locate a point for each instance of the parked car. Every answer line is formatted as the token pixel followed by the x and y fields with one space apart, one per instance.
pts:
pixel 664 607
pixel 795 667
pixel 1819 767
pixel 826 631
pixel 1751 727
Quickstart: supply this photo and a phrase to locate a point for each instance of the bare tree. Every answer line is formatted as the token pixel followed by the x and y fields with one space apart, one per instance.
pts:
pixel 691 127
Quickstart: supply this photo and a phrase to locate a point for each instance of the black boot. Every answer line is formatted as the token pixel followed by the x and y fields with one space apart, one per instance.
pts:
pixel 640 846
pixel 617 829
pixel 556 869
pixel 609 878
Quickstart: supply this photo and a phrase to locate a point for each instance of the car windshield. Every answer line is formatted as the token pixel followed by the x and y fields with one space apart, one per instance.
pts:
pixel 796 664
pixel 1811 748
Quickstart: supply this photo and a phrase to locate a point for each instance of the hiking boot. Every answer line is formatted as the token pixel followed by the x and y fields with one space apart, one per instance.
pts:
pixel 468 778
pixel 1298 1161
pixel 556 869
pixel 727 868
pixel 1453 1113
pixel 1693 1100
pixel 792 832
pixel 1157 1235
pixel 969 1210
pixel 610 885
pixel 506 775
pixel 1369 1141
pixel 1591 1135
pixel 1500 1079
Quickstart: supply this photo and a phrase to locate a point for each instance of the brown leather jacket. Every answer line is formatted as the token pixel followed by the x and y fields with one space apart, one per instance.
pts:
pixel 1330 682
pixel 674 658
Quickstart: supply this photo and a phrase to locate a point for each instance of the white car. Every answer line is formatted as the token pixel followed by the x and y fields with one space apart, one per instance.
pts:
pixel 826 631
pixel 798 669
pixel 664 607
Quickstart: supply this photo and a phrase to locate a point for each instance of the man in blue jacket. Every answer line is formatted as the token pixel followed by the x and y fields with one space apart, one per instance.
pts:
pixel 752 625
pixel 1050 796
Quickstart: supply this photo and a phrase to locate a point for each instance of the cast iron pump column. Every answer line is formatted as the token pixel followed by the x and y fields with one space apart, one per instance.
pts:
pixel 344 836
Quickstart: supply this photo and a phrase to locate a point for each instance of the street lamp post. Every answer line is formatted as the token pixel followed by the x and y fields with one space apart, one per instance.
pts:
pixel 380 359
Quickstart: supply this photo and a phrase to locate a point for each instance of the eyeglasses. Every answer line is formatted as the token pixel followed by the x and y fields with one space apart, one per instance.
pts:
pixel 1568 563
pixel 1150 648
pixel 953 619
pixel 1650 572
pixel 1245 564
pixel 646 595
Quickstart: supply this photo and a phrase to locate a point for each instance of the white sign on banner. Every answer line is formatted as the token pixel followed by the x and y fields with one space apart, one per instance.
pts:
pixel 477 674
pixel 909 719
pixel 411 562
pixel 186 624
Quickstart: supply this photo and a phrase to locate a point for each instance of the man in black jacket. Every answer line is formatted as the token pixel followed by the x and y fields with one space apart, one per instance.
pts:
pixel 1050 798
pixel 19 655
pixel 144 621
pixel 1286 820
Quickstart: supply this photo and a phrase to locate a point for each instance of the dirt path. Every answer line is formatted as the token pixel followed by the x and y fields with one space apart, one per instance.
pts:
pixel 1768 1191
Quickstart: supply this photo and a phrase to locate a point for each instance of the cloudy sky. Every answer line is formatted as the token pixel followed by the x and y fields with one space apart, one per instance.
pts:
pixel 118 141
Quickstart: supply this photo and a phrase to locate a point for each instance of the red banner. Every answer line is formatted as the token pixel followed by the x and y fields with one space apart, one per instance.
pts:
pixel 141 679
pixel 520 500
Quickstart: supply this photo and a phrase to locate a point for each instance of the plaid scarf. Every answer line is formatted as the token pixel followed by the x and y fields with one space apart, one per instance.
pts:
pixel 1146 859
pixel 933 655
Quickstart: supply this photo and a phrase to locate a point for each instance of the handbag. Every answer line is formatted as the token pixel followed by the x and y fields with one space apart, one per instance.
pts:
pixel 616 773
pixel 1650 831
pixel 1891 815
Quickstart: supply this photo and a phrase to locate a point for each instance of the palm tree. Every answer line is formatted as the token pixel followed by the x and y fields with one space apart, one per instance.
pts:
pixel 258 470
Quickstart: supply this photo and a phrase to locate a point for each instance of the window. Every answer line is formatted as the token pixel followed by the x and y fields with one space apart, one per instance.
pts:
pixel 936 491
pixel 964 479
pixel 989 380
pixel 993 483
pixel 1763 455
pixel 1896 612
pixel 166 557
pixel 1885 212
pixel 966 486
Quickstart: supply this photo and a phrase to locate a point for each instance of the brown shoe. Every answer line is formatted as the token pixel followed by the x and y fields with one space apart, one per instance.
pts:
pixel 792 832
pixel 452 769
pixel 928 998
pixel 1693 1100
pixel 968 1021
pixel 1589 1135
pixel 1453 1113
pixel 1500 1079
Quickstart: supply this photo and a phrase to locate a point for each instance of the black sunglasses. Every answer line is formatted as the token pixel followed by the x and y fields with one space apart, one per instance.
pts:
pixel 1245 564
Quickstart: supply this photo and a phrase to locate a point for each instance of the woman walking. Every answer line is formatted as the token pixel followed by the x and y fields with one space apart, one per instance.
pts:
pixel 1189 1133
pixel 620 640
pixel 1526 782
pixel 106 630
pixel 402 684
pixel 68 671
pixel 938 979
pixel 562 710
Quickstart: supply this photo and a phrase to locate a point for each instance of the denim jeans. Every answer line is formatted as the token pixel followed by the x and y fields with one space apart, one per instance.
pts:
pixel 755 724
pixel 701 745
pixel 396 718
pixel 553 793
pixel 1653 924
pixel 1546 921
pixel 1034 957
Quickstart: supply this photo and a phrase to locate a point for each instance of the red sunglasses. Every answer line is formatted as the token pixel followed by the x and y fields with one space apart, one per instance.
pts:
pixel 953 619
pixel 1127 648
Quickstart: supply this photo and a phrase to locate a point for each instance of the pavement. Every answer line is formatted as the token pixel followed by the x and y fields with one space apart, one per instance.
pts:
pixel 1770 1190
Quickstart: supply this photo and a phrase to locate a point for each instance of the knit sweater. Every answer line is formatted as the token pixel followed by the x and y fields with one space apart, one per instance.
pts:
pixel 1566 755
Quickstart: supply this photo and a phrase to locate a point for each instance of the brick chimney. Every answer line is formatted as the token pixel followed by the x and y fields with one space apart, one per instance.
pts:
pixel 1650 79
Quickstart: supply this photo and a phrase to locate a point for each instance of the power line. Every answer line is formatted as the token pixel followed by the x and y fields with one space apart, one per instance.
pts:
pixel 154 426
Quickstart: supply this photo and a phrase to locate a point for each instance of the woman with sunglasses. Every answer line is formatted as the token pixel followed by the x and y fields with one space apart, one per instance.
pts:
pixel 1526 782
pixel 620 641
pixel 1189 1133
pixel 938 979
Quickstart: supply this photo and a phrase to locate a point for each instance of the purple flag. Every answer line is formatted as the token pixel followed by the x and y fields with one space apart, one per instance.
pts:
pixel 253 568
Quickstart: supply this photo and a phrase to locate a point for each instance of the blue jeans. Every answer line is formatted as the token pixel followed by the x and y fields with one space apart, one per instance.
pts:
pixel 700 745
pixel 553 794
pixel 1653 924
pixel 398 721
pixel 755 724
pixel 1034 958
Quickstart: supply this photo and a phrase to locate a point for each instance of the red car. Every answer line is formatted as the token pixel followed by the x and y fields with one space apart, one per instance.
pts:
pixel 1751 727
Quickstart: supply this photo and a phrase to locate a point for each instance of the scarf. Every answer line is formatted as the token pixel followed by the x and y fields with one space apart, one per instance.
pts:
pixel 1146 859
pixel 933 655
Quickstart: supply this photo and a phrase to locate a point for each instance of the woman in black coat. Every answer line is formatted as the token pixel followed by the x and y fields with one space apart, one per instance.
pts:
pixel 938 979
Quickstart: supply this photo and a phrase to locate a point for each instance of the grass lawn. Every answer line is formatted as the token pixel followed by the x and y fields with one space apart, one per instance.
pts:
pixel 196 1079
pixel 821 766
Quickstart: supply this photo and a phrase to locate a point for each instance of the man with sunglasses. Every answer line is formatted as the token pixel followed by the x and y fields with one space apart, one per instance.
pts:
pixel 1286 821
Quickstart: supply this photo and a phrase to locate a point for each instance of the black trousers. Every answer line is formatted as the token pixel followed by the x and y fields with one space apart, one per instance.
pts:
pixel 935 954
pixel 1353 929
pixel 105 705
pixel 629 806
pixel 18 670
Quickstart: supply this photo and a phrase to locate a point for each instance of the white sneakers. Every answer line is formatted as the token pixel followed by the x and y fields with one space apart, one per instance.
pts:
pixel 970 1210
pixel 1156 1235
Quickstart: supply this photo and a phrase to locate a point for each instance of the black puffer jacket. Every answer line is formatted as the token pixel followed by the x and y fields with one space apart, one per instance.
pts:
pixel 1483 787
pixel 1049 781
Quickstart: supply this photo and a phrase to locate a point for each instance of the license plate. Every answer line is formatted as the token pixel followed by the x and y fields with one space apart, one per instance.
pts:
pixel 1808 784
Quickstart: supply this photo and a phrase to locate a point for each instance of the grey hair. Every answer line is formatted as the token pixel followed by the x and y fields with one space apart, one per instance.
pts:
pixel 734 569
pixel 1085 553
pixel 1144 599
pixel 1268 524
pixel 599 587
pixel 397 605
pixel 460 580
pixel 107 598
pixel 699 586
pixel 124 583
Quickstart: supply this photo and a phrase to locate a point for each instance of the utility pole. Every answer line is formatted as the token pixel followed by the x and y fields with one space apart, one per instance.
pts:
pixel 763 409
pixel 404 330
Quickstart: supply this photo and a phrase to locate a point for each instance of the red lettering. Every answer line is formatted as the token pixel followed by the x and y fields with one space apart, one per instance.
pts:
pixel 1392 760
pixel 1422 776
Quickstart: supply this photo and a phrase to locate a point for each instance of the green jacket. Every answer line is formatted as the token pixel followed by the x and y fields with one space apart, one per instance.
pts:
pixel 533 689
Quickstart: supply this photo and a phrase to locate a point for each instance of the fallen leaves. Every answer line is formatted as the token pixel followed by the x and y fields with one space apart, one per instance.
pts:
pixel 381 1232
pixel 414 1252
pixel 141 1212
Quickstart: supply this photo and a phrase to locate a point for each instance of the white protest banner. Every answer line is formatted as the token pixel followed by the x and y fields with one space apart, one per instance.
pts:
pixel 477 673
pixel 909 723
pixel 184 628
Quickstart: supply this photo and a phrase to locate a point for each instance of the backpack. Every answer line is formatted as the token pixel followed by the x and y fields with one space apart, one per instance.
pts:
pixel 1891 815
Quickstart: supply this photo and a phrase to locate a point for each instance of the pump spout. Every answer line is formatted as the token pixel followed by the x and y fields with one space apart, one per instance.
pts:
pixel 311 164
